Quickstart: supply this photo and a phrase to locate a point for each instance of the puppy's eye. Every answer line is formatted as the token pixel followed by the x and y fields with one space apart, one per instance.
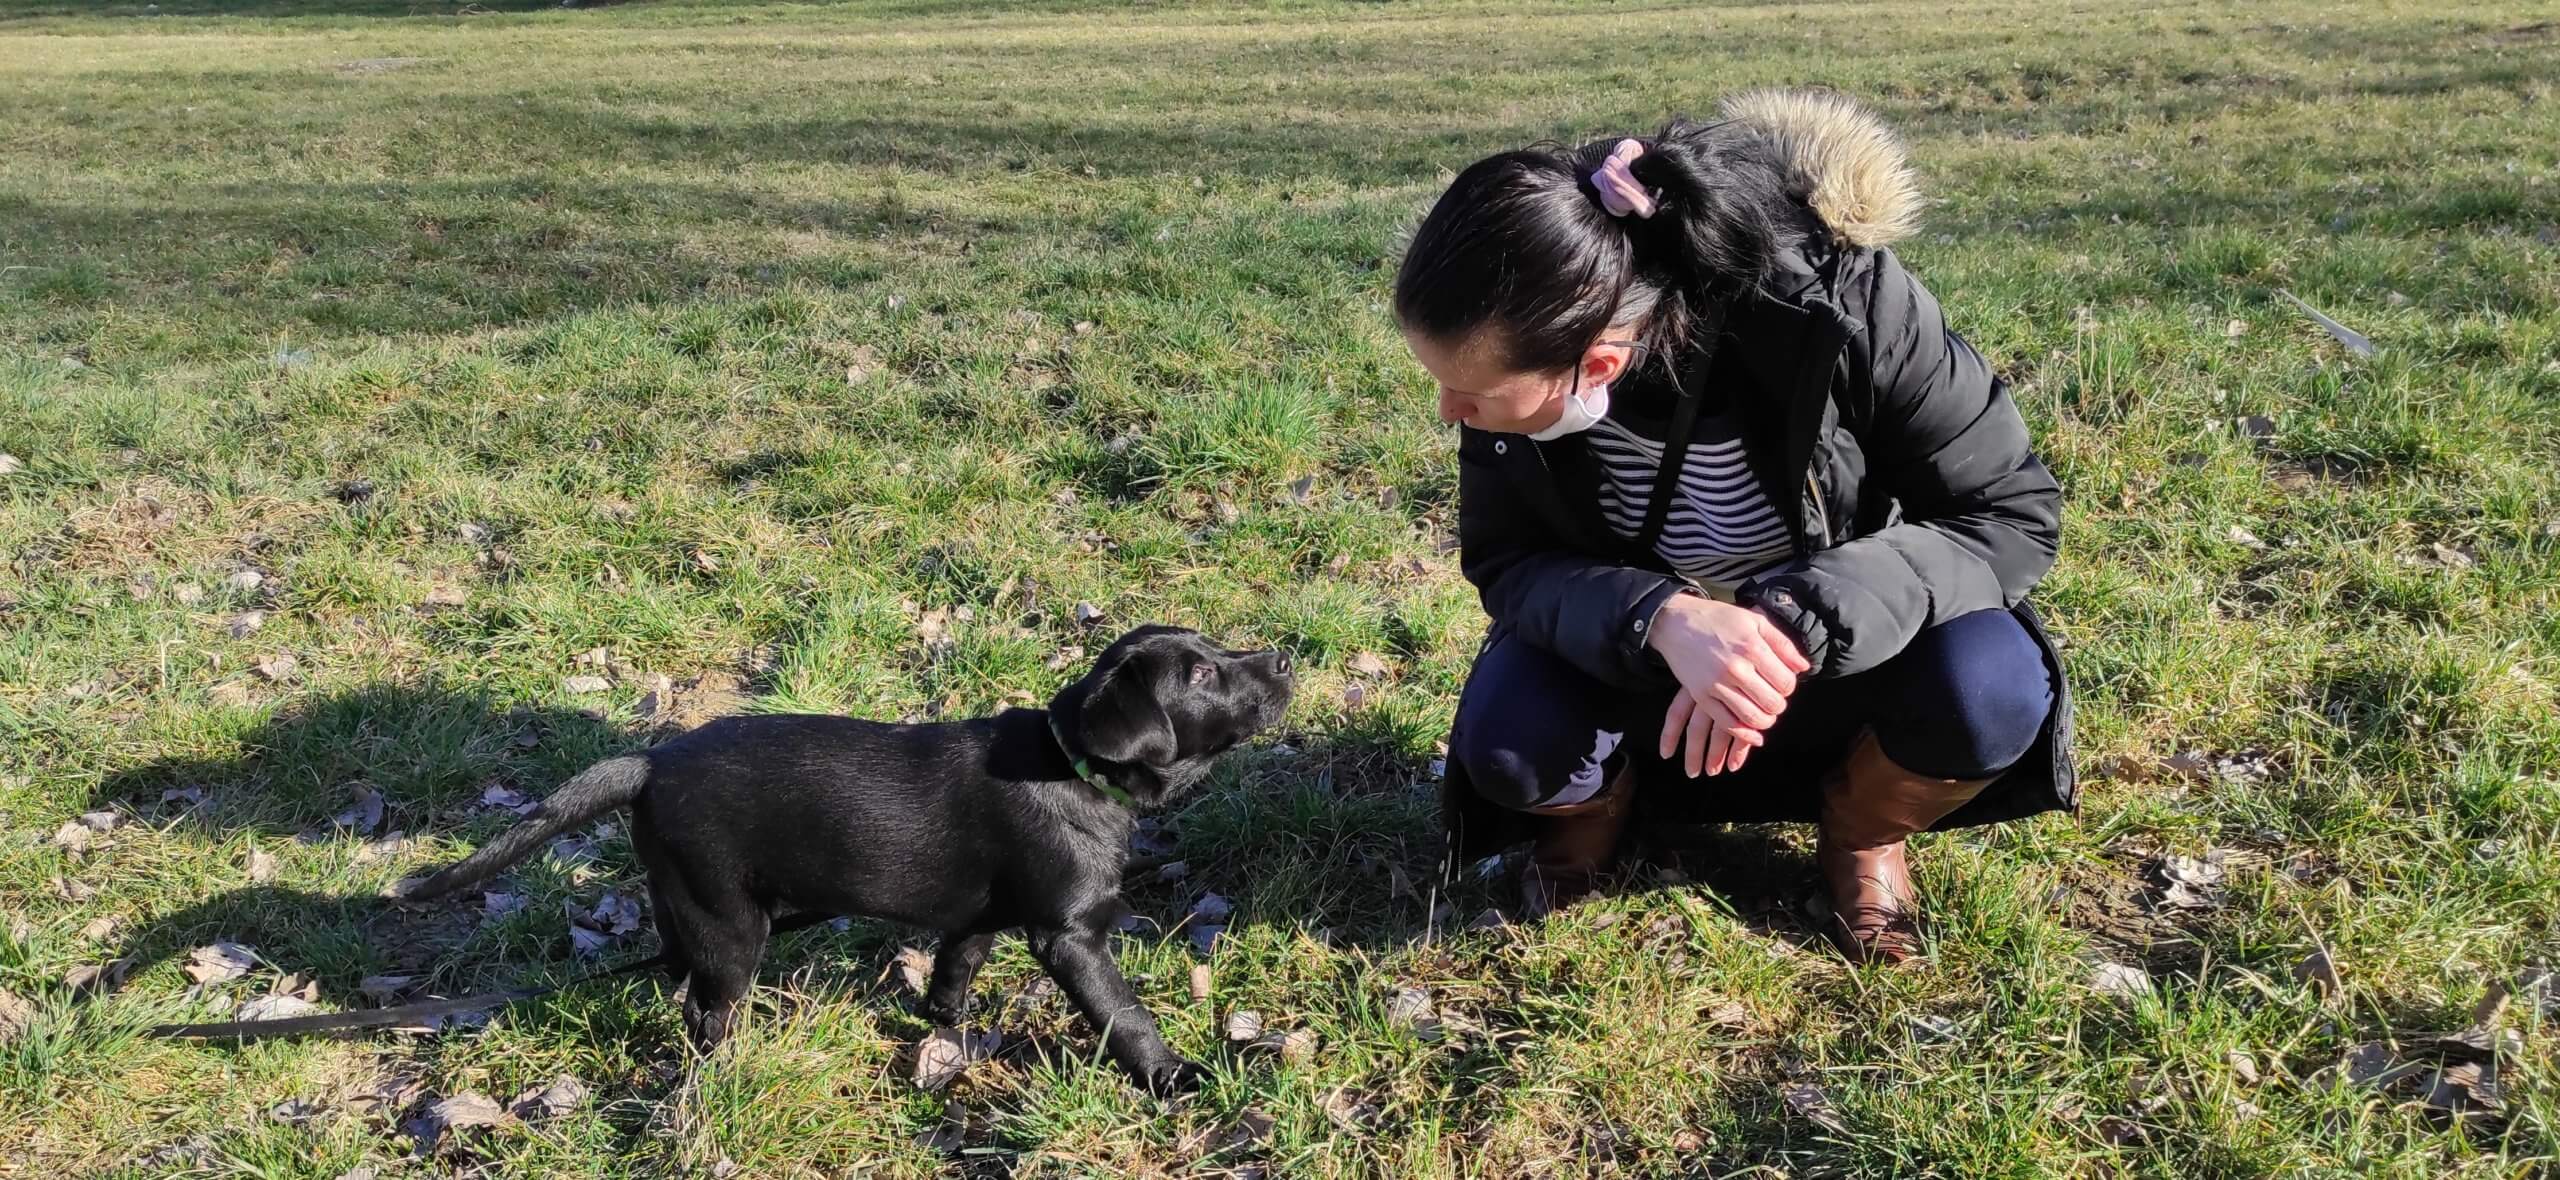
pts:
pixel 1202 672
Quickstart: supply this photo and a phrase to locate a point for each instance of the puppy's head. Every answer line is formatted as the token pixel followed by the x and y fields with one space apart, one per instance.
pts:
pixel 1162 702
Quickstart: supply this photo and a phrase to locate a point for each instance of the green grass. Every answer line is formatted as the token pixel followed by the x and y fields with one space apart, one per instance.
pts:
pixel 733 337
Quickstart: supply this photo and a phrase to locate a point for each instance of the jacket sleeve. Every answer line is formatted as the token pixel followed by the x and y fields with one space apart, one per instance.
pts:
pixel 1590 612
pixel 1981 517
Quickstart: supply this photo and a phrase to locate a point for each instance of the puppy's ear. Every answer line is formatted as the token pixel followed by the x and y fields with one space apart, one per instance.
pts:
pixel 1120 720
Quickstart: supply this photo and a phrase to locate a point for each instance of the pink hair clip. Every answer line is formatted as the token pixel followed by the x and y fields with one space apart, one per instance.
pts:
pixel 1619 191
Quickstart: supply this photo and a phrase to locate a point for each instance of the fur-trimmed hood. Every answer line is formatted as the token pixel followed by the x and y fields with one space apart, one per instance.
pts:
pixel 1854 170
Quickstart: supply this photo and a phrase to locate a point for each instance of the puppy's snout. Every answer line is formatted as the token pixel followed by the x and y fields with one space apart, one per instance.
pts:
pixel 1282 662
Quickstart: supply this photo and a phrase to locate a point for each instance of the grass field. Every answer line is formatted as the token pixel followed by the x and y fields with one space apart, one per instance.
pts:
pixel 409 401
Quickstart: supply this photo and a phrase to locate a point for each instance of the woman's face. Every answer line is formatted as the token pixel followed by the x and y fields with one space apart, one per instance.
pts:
pixel 1478 390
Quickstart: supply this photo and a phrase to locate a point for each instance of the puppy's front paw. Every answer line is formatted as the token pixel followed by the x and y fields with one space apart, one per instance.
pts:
pixel 1174 1076
pixel 943 1013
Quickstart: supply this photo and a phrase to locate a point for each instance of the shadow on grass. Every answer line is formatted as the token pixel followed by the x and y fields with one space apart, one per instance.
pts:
pixel 425 750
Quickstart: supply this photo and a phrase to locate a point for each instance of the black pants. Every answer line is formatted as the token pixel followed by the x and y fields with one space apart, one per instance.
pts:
pixel 1964 701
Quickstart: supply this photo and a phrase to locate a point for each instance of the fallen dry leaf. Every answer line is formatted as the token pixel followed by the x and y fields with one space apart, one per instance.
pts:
pixel 1172 871
pixel 99 929
pixel 1243 1025
pixel 948 1052
pixel 460 1112
pixel 2192 882
pixel 564 1094
pixel 2191 764
pixel 1298 1046
pixel 586 943
pixel 2243 1066
pixel 382 989
pixel 1252 1128
pixel 73 836
pixel 915 969
pixel 363 815
pixel 1807 1101
pixel 2466 1090
pixel 246 624
pixel 1369 664
pixel 2119 979
pixel 1200 982
pixel 275 1008
pixel 616 913
pixel 1204 937
pixel 219 962
pixel 1345 1111
pixel 16 1016
pixel 262 866
pixel 278 668
pixel 73 891
pixel 2319 969
pixel 2355 341
pixel 584 685
pixel 1212 908
pixel 294 1112
pixel 445 595
pixel 2372 1064
pixel 97 976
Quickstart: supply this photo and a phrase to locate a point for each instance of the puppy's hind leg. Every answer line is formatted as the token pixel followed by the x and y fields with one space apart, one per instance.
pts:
pixel 719 947
pixel 955 967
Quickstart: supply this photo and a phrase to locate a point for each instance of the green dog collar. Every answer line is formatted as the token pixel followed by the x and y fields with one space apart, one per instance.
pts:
pixel 1084 768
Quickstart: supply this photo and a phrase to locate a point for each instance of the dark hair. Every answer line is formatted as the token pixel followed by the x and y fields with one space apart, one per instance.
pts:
pixel 1520 244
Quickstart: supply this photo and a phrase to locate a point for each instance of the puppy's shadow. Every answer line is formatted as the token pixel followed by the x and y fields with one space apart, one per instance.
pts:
pixel 426 750
pixel 334 940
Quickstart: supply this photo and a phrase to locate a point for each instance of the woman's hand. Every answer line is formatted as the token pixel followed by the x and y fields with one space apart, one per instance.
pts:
pixel 1736 671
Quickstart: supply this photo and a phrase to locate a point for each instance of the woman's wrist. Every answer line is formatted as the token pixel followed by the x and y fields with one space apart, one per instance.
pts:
pixel 1677 612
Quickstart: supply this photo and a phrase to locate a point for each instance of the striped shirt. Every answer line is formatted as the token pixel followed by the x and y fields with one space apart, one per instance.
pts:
pixel 1721 530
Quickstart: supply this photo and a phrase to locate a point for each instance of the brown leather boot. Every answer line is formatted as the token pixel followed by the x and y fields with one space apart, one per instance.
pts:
pixel 1575 845
pixel 1868 807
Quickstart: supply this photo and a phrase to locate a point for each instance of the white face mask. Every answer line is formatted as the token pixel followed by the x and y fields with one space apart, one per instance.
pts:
pixel 1582 411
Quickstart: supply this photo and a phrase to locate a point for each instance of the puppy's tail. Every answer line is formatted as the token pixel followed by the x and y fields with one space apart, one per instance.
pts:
pixel 600 788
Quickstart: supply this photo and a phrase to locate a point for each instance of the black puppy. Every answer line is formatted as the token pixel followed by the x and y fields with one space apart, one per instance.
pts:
pixel 967 827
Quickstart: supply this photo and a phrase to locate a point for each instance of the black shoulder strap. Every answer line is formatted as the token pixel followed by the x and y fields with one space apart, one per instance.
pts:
pixel 1687 378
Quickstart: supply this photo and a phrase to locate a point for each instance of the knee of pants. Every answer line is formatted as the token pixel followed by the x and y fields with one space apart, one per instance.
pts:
pixel 1530 733
pixel 1970 697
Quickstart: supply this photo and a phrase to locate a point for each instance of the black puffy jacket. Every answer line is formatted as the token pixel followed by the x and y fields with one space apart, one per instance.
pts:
pixel 1894 454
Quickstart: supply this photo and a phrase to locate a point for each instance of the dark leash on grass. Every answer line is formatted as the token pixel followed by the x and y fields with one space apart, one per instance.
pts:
pixel 329 1023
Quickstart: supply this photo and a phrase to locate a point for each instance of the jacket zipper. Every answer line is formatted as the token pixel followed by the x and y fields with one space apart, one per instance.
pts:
pixel 1821 513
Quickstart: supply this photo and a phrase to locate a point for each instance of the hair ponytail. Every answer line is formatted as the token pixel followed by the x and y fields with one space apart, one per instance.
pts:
pixel 1521 244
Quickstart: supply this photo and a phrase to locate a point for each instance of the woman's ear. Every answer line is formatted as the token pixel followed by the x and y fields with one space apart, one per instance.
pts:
pixel 1605 362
